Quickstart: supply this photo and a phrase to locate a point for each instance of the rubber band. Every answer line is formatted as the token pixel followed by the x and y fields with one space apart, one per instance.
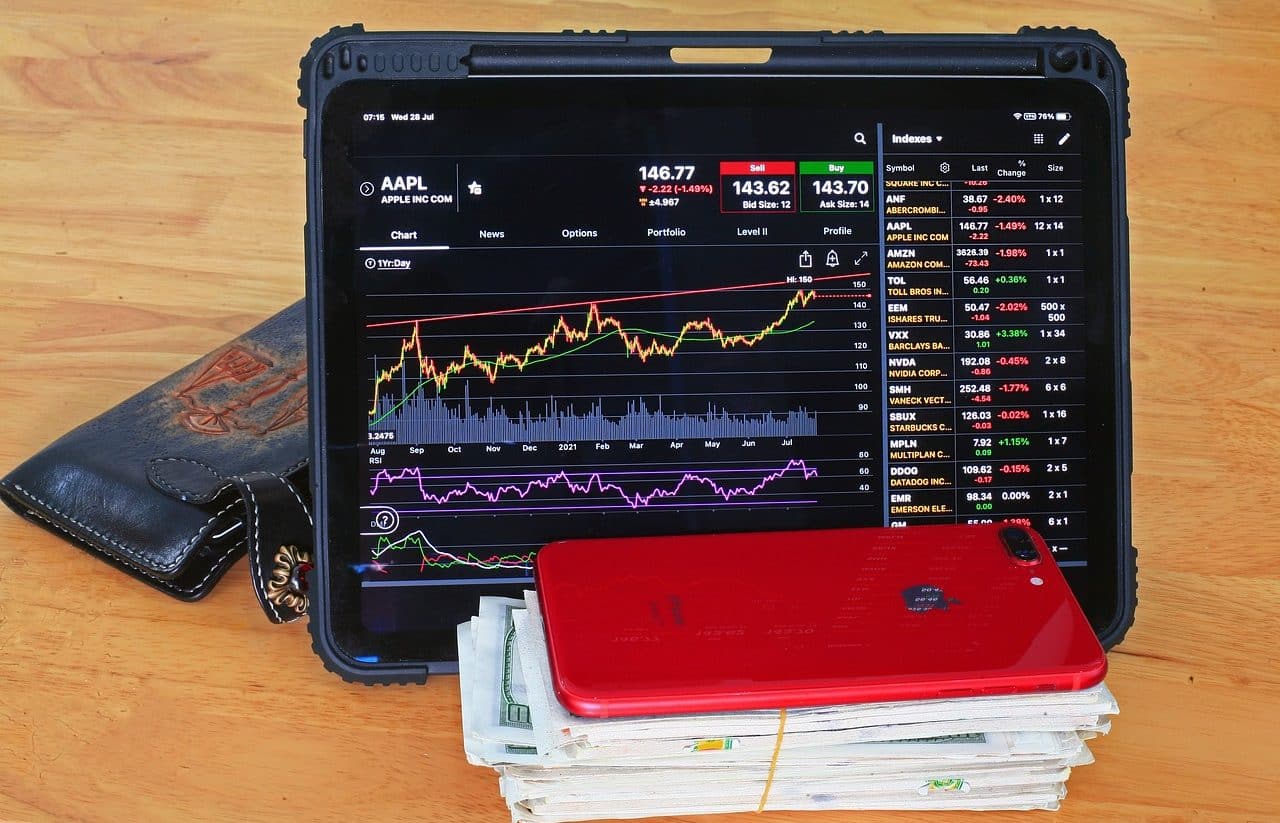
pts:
pixel 773 761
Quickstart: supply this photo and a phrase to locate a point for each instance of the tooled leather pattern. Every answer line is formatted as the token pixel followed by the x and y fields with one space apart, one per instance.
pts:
pixel 240 389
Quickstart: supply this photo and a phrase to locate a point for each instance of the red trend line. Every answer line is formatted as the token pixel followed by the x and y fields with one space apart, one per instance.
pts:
pixel 595 323
pixel 629 298
pixel 594 482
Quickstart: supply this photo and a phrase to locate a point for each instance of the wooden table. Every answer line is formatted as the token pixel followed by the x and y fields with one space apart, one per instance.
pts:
pixel 152 208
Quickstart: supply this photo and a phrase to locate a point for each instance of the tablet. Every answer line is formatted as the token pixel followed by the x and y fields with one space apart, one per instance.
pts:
pixel 594 285
pixel 856 616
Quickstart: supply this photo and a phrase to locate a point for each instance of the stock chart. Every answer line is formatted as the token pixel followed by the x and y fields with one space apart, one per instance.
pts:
pixel 577 343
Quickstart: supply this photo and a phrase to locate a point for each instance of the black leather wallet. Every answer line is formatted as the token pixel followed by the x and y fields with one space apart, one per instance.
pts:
pixel 177 482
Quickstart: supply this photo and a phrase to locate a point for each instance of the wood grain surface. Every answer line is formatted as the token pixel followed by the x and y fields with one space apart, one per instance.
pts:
pixel 151 207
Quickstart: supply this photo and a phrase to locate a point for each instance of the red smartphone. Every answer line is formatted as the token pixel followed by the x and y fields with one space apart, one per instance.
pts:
pixel 727 622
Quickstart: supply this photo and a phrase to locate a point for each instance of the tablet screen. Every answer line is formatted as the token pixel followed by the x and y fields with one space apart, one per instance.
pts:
pixel 611 307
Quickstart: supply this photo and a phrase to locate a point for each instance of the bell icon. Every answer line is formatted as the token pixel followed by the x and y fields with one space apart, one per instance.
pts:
pixel 833 259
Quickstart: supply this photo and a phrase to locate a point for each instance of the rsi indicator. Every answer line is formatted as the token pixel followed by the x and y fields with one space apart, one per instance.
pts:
pixel 599 489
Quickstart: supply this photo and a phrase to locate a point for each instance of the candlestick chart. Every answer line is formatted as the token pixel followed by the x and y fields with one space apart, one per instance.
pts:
pixel 577 379
pixel 503 421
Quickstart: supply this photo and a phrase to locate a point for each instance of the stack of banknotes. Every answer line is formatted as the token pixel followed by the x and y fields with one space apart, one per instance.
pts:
pixel 998 752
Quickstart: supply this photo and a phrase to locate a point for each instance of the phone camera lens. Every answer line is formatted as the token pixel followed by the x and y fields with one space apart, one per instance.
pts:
pixel 1020 544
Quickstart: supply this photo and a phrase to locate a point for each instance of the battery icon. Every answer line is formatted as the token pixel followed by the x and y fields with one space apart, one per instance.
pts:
pixel 1062 115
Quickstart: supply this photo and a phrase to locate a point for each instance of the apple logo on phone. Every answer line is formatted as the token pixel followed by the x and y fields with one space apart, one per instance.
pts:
pixel 927 598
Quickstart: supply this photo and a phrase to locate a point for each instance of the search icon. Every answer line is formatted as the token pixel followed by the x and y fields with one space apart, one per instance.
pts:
pixel 860 137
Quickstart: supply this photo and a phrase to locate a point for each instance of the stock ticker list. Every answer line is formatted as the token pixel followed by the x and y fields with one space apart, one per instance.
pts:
pixel 984 360
pixel 888 334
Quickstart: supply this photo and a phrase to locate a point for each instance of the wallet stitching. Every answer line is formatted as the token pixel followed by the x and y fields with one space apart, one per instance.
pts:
pixel 165 484
pixel 216 564
pixel 255 553
pixel 184 493
pixel 168 584
pixel 305 510
pixel 296 496
pixel 132 552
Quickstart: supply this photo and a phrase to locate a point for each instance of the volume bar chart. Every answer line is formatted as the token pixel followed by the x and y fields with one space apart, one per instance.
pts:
pixel 432 420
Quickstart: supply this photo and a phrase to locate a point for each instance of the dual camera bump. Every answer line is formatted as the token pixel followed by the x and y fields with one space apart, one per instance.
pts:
pixel 1018 543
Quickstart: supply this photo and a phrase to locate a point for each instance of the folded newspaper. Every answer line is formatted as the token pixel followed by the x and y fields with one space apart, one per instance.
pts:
pixel 998 752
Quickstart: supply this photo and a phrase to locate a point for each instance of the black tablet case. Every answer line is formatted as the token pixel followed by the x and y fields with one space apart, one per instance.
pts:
pixel 350 53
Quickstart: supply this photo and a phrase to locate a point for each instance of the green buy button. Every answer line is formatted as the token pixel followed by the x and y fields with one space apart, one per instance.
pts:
pixel 836 166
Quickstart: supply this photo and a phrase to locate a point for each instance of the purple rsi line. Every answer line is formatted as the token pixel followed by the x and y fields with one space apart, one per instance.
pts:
pixel 618 473
pixel 594 480
pixel 586 507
